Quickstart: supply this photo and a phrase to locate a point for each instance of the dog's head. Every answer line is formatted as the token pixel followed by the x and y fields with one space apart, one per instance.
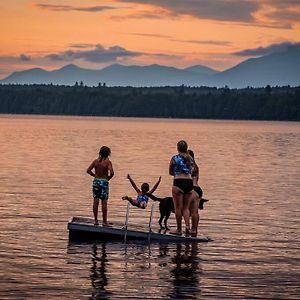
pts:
pixel 202 201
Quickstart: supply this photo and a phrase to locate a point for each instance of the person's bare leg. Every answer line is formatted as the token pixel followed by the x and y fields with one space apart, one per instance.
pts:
pixel 142 205
pixel 177 200
pixel 194 206
pixel 131 200
pixel 186 211
pixel 104 212
pixel 95 210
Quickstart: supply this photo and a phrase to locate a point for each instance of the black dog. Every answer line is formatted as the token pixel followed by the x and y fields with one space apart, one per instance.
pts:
pixel 166 206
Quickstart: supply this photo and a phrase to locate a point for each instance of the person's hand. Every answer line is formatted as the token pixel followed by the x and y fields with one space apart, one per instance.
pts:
pixel 128 176
pixel 159 179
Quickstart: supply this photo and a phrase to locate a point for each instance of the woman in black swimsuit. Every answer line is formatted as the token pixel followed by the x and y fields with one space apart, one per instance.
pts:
pixel 180 167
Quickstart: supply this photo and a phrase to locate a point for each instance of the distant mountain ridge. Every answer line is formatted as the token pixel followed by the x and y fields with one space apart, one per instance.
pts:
pixel 281 68
pixel 113 75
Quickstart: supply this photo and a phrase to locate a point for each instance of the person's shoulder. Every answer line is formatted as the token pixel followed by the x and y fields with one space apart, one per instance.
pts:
pixel 173 159
pixel 175 156
pixel 97 161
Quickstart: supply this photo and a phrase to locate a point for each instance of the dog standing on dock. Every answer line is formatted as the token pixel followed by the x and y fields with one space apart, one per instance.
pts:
pixel 166 207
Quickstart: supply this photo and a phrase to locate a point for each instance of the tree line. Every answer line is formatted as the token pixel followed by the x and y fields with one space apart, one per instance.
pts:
pixel 269 103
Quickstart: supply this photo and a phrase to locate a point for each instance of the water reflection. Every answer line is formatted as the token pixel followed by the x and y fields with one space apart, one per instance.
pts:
pixel 137 256
pixel 185 272
pixel 98 271
pixel 168 271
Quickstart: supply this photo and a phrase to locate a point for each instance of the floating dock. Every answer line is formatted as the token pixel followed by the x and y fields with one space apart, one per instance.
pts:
pixel 84 228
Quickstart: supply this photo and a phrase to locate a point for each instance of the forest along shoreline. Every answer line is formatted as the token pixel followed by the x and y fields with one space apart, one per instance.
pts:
pixel 268 103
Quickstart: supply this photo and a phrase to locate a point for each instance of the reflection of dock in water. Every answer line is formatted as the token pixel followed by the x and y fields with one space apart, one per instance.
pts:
pixel 148 260
pixel 98 276
pixel 162 270
pixel 186 272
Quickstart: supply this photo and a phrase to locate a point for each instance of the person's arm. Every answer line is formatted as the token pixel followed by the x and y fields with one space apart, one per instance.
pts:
pixel 155 186
pixel 171 167
pixel 195 170
pixel 133 184
pixel 111 171
pixel 90 168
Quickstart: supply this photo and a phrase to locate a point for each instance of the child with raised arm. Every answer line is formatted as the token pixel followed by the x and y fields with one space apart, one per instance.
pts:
pixel 142 198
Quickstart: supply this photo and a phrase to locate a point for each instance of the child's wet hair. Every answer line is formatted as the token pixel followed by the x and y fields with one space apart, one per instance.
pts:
pixel 145 187
pixel 104 151
pixel 182 146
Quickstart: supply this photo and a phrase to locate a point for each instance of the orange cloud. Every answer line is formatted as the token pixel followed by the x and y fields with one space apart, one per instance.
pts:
pixel 262 13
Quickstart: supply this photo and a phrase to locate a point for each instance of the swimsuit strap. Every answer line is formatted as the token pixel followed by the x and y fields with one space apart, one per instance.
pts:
pixel 181 166
pixel 142 198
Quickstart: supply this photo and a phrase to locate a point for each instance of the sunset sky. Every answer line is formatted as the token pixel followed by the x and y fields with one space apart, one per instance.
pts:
pixel 180 33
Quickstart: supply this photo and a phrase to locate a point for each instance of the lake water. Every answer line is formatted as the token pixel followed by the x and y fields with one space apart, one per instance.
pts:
pixel 250 172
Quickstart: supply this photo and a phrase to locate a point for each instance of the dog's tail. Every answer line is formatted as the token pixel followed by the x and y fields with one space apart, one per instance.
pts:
pixel 154 198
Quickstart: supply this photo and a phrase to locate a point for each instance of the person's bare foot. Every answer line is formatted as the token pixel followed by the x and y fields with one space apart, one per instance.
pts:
pixel 193 233
pixel 107 224
pixel 96 223
pixel 176 232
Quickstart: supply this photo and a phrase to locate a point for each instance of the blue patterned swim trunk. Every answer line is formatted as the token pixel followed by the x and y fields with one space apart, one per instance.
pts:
pixel 100 188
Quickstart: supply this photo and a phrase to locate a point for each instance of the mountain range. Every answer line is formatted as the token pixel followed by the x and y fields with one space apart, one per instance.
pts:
pixel 280 68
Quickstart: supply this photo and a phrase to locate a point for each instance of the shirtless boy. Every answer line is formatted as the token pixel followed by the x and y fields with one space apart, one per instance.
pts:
pixel 103 172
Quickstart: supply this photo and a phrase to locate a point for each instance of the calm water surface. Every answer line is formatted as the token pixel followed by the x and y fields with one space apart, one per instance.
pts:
pixel 250 172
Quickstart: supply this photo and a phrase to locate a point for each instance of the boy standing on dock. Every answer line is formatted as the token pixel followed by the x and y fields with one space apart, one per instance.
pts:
pixel 103 172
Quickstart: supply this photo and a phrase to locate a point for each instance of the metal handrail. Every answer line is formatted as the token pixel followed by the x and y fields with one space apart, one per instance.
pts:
pixel 126 222
pixel 150 222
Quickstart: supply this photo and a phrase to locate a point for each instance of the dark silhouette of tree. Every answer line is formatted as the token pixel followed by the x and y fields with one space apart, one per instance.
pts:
pixel 268 89
pixel 269 103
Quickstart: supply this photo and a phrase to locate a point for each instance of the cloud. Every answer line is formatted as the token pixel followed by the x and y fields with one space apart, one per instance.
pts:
pixel 204 42
pixel 98 54
pixel 170 38
pixel 163 55
pixel 261 13
pixel 222 10
pixel 260 51
pixel 284 15
pixel 163 36
pixel 280 12
pixel 81 45
pixel 53 7
pixel 286 4
pixel 25 57
pixel 153 14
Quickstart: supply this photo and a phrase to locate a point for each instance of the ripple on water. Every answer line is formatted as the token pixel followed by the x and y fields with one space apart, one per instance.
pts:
pixel 249 172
